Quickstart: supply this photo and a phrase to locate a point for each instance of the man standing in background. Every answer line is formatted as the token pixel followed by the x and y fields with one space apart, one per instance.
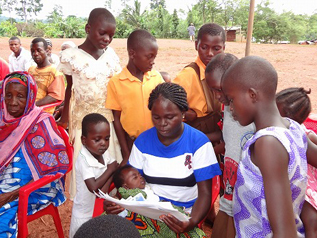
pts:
pixel 191 31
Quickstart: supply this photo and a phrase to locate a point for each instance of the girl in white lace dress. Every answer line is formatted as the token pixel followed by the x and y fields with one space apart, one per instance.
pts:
pixel 88 69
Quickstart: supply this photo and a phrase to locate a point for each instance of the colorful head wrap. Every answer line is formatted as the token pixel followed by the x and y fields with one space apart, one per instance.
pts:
pixel 25 79
pixel 27 132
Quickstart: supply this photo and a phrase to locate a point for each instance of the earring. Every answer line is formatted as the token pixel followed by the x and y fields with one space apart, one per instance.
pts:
pixel 183 116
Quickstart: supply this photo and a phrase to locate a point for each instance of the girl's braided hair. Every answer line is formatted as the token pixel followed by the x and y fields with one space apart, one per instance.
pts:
pixel 294 103
pixel 171 91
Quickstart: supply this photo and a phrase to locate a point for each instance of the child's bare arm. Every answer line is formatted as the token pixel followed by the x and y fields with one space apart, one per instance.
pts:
pixel 190 115
pixel 312 150
pixel 121 136
pixel 272 159
pixel 215 136
pixel 65 113
pixel 95 184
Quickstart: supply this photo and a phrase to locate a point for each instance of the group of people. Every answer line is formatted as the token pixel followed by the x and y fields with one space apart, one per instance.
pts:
pixel 172 135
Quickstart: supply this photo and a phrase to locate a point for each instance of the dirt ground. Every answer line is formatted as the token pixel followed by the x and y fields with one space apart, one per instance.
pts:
pixel 295 64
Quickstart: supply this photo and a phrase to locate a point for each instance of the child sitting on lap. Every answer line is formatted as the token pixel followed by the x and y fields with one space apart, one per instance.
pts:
pixel 94 168
pixel 295 104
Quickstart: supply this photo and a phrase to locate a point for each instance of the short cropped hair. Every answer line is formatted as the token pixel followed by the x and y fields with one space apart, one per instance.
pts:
pixel 40 39
pixel 14 38
pixel 117 175
pixel 91 119
pixel 139 38
pixel 212 29
pixel 97 12
pixel 49 42
pixel 107 226
pixel 171 91
pixel 294 103
pixel 221 62
pixel 253 72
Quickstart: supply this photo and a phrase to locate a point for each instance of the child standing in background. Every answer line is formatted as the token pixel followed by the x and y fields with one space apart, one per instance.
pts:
pixel 129 91
pixel 204 109
pixel 94 168
pixel 88 69
pixel 271 180
pixel 295 104
pixel 234 136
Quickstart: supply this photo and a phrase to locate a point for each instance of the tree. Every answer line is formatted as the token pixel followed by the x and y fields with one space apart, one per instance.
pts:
pixel 133 15
pixel 108 4
pixel 312 27
pixel 56 16
pixel 28 8
pixel 175 22
pixel 7 6
pixel 155 4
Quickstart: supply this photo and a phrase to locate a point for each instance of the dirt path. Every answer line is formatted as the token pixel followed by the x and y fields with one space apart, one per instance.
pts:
pixel 296 66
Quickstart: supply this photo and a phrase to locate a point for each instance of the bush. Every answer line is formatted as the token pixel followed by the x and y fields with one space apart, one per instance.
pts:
pixel 29 30
pixel 8 29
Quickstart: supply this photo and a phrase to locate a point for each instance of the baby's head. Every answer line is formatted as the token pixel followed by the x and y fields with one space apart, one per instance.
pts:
pixel 210 41
pixel 214 72
pixel 142 50
pixel 294 103
pixel 100 28
pixel 250 86
pixel 128 178
pixel 95 134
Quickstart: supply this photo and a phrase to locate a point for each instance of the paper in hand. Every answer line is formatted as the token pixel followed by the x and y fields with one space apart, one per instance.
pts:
pixel 149 209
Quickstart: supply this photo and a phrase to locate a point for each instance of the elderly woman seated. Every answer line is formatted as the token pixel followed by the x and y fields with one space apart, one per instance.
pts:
pixel 31 147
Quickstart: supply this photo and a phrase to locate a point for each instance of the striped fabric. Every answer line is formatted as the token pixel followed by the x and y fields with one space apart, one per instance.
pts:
pixel 173 171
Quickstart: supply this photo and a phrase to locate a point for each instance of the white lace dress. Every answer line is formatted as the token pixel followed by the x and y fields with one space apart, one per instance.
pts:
pixel 89 93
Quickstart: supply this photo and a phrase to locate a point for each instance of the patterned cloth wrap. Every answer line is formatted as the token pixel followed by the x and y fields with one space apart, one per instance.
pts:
pixel 31 147
pixel 35 132
pixel 153 228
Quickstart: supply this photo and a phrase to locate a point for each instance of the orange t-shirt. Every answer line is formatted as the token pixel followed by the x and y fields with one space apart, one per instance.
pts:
pixel 188 79
pixel 129 95
pixel 50 82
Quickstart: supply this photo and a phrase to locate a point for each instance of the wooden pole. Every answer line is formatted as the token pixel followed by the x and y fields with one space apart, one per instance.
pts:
pixel 250 28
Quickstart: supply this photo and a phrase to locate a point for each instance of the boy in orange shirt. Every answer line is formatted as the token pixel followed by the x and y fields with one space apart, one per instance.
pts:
pixel 204 109
pixel 129 91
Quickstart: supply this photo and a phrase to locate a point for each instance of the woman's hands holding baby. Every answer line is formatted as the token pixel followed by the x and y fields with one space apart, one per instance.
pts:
pixel 112 208
pixel 176 225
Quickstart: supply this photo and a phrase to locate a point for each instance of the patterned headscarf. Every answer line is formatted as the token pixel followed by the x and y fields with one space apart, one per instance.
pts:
pixel 22 78
pixel 23 133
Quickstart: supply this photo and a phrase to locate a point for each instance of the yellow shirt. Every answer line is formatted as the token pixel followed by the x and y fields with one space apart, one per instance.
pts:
pixel 188 79
pixel 50 82
pixel 129 95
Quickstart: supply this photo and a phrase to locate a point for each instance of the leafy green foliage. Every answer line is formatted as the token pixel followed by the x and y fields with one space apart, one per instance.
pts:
pixel 7 29
pixel 269 26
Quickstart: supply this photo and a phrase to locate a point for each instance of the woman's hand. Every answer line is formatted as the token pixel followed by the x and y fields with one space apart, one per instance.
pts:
pixel 176 225
pixel 62 123
pixel 112 208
